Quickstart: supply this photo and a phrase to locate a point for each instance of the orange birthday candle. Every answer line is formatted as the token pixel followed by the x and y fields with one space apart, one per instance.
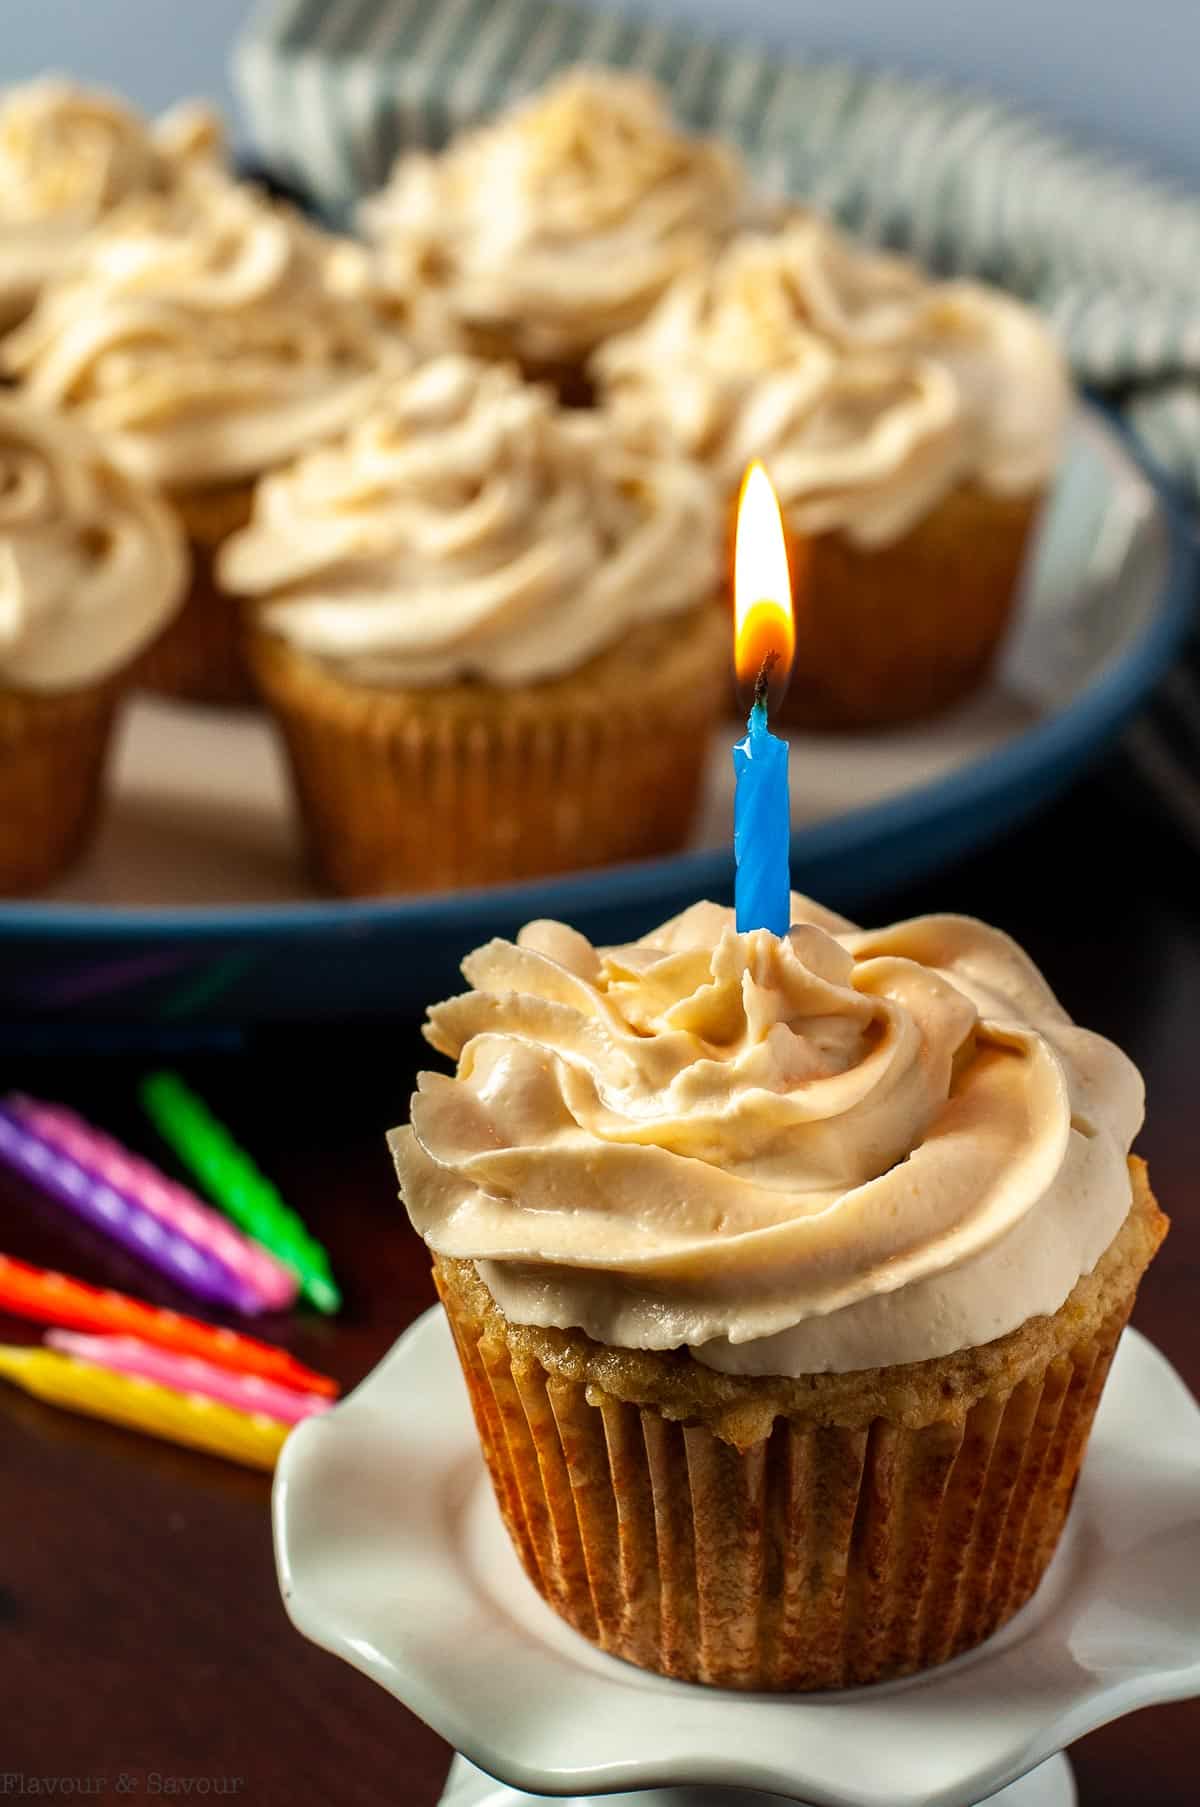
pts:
pixel 47 1297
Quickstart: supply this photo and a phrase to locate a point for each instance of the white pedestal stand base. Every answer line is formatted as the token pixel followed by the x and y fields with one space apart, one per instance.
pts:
pixel 1050 1785
pixel 392 1555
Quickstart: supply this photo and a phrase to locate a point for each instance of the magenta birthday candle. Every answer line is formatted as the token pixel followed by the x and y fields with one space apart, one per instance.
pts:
pixel 175 1206
pixel 189 1374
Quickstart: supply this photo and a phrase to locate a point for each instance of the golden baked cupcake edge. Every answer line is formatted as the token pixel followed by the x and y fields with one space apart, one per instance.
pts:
pixel 911 427
pixel 92 568
pixel 487 629
pixel 785 1276
pixel 207 335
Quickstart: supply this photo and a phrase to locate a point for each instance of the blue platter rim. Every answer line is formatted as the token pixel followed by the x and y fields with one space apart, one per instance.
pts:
pixel 1055 745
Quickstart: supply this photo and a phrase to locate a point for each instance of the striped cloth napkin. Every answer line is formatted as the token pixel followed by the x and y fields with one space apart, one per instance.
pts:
pixel 333 88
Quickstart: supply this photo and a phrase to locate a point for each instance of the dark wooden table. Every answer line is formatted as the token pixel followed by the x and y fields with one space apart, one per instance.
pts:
pixel 142 1641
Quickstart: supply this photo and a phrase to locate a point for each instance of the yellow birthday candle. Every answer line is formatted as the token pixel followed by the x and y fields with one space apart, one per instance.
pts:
pixel 143 1405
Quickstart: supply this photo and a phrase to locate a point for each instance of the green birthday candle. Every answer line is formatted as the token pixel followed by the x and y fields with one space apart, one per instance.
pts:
pixel 232 1180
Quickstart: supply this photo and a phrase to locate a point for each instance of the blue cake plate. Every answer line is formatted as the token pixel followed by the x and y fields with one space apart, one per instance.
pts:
pixel 1108 601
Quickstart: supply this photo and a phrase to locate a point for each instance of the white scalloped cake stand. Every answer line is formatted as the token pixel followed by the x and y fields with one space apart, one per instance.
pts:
pixel 391 1554
pixel 1050 1785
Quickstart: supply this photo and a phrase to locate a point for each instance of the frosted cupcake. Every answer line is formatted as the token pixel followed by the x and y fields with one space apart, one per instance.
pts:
pixel 785 1275
pixel 208 335
pixel 68 156
pixel 560 223
pixel 910 427
pixel 486 627
pixel 92 566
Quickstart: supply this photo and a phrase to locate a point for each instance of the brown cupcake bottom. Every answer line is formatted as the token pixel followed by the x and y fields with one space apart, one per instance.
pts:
pixel 889 634
pixel 52 757
pixel 791 1535
pixel 198 656
pixel 471 784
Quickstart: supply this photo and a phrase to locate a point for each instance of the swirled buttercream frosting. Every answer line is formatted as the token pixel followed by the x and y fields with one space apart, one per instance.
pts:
pixel 208 334
pixel 565 219
pixel 869 390
pixel 470 526
pixel 68 156
pixel 829 1151
pixel 91 564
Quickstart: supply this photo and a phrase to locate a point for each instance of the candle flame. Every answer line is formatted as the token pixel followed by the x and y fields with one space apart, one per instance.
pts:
pixel 762 591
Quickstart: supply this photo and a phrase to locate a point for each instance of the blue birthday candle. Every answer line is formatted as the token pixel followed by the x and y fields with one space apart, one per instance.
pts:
pixel 762 822
pixel 764 639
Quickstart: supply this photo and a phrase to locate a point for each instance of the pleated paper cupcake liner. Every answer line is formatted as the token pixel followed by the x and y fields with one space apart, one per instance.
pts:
pixel 888 634
pixel 472 785
pixel 821 1556
pixel 198 656
pixel 52 757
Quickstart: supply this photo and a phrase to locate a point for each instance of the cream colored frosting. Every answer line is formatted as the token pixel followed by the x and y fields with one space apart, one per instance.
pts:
pixel 404 286
pixel 566 218
pixel 836 1150
pixel 91 564
pixel 68 155
pixel 470 526
pixel 869 390
pixel 207 334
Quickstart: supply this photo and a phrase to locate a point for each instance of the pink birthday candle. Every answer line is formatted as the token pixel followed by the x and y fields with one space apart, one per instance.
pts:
pixel 188 1374
pixel 174 1205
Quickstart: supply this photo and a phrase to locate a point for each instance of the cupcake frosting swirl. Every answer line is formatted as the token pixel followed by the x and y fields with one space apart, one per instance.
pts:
pixel 91 564
pixel 68 155
pixel 837 1150
pixel 567 218
pixel 869 390
pixel 207 334
pixel 470 526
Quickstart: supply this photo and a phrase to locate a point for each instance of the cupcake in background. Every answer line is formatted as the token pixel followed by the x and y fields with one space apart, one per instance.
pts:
pixel 68 156
pixel 560 223
pixel 785 1274
pixel 486 628
pixel 911 429
pixel 207 335
pixel 92 567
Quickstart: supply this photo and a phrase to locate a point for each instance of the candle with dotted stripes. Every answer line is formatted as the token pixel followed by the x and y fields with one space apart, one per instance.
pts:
pixel 140 1405
pixel 122 1219
pixel 189 1374
pixel 45 1297
pixel 174 1205
pixel 228 1174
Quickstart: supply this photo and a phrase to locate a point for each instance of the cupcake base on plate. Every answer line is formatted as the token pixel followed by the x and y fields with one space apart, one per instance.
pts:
pixel 791 1535
pixel 199 656
pixel 889 634
pixel 52 755
pixel 425 789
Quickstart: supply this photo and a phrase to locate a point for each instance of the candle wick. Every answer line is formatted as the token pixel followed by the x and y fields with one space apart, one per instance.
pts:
pixel 764 677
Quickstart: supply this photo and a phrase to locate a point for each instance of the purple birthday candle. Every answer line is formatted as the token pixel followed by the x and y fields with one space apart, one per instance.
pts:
pixel 175 1205
pixel 197 1271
